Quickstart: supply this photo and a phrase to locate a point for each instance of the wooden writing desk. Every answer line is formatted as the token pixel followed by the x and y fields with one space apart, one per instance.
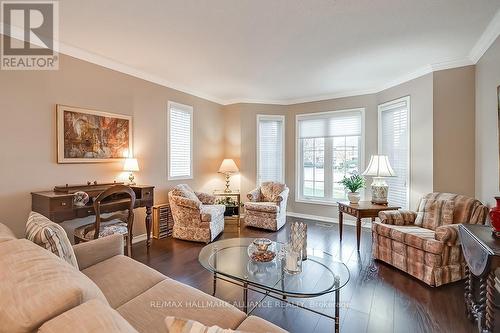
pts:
pixel 57 205
pixel 361 210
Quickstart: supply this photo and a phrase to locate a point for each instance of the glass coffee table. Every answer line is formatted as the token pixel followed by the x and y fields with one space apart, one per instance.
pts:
pixel 321 274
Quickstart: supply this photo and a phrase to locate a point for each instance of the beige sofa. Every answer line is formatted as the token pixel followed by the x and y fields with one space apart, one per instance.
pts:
pixel 110 293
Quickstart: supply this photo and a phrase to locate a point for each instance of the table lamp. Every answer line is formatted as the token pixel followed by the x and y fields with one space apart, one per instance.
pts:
pixel 131 166
pixel 379 168
pixel 227 168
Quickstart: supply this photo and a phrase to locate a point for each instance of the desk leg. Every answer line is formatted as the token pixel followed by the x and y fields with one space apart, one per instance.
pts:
pixel 358 231
pixel 148 226
pixel 341 222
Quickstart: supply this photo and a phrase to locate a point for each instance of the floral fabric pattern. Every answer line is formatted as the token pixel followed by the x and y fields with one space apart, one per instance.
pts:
pixel 431 251
pixel 260 212
pixel 193 219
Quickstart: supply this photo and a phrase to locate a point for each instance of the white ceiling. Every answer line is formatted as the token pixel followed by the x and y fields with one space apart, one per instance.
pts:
pixel 278 51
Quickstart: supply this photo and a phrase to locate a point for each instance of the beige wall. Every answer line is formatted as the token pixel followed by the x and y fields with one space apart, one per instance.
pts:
pixel 454 130
pixel 421 132
pixel 487 81
pixel 28 133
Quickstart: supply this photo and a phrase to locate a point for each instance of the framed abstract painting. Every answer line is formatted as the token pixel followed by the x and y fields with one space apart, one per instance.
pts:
pixel 89 136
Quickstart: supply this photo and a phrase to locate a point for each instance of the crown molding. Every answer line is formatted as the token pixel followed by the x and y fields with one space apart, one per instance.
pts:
pixel 488 37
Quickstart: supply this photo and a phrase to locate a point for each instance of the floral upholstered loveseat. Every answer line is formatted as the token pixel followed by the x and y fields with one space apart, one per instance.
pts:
pixel 196 216
pixel 267 206
pixel 425 244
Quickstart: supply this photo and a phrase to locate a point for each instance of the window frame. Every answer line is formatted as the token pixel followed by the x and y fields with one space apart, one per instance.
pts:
pixel 283 145
pixel 298 157
pixel 380 107
pixel 189 109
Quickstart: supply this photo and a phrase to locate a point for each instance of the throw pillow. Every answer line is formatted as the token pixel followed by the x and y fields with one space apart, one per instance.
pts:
pixel 179 325
pixel 434 213
pixel 51 236
pixel 271 190
pixel 183 190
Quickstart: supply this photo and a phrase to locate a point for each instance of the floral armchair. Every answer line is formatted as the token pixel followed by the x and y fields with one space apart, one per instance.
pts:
pixel 196 216
pixel 425 244
pixel 267 206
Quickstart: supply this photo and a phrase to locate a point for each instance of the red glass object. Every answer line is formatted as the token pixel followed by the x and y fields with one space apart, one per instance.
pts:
pixel 495 218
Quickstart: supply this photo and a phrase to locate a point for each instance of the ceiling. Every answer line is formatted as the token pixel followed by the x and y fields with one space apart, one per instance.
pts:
pixel 278 51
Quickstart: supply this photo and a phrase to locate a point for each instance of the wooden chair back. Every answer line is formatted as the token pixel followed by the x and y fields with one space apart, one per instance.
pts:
pixel 129 196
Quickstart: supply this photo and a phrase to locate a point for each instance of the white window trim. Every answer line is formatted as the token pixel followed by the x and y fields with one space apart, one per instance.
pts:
pixel 298 167
pixel 283 145
pixel 189 109
pixel 379 139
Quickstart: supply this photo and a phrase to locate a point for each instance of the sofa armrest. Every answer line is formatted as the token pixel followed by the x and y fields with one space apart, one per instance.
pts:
pixel 205 198
pixel 185 202
pixel 397 217
pixel 95 251
pixel 283 196
pixel 254 195
pixel 448 234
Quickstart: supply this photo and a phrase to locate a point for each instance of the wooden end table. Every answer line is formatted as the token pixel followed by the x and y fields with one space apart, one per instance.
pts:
pixel 361 210
pixel 482 255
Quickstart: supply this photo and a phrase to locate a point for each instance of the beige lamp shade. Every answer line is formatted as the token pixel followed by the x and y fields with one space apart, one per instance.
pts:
pixel 379 167
pixel 131 165
pixel 228 166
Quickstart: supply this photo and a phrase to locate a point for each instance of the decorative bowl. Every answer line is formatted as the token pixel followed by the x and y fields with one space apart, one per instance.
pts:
pixel 262 250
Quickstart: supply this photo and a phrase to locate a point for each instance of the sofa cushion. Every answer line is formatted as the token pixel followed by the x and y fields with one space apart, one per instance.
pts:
pixel 181 325
pixel 51 236
pixel 121 278
pixel 414 236
pixel 271 190
pixel 256 324
pixel 183 190
pixel 36 285
pixel 263 206
pixel 90 317
pixel 5 233
pixel 434 213
pixel 209 212
pixel 147 311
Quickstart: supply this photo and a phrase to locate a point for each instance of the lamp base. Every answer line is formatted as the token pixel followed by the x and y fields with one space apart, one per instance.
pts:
pixel 380 190
pixel 131 179
pixel 227 189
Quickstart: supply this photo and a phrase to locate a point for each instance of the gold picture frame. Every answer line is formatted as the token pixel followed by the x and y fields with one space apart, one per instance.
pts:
pixel 91 136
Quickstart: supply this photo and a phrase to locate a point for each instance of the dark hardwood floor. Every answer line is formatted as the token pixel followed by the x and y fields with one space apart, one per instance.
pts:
pixel 377 298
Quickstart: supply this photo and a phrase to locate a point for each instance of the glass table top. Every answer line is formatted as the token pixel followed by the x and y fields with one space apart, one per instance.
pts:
pixel 321 273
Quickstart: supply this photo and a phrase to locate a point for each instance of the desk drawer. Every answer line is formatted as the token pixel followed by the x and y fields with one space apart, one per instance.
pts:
pixel 147 194
pixel 61 204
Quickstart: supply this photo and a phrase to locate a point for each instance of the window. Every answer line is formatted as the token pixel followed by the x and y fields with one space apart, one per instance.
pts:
pixel 394 141
pixel 180 141
pixel 270 148
pixel 329 147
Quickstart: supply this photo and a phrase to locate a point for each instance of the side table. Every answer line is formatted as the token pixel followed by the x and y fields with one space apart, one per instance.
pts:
pixel 482 255
pixel 361 210
pixel 235 195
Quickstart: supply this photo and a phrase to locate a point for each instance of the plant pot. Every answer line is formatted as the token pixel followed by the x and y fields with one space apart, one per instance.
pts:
pixel 354 197
pixel 495 218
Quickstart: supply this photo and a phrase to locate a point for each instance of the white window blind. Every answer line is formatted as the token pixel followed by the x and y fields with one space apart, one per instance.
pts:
pixel 394 142
pixel 270 148
pixel 180 145
pixel 329 148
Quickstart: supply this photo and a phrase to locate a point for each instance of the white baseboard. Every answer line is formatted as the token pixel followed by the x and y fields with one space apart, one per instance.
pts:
pixel 139 238
pixel 347 221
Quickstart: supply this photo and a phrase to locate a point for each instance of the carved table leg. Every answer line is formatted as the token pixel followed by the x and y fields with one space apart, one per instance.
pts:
pixel 490 298
pixel 468 293
pixel 341 222
pixel 481 304
pixel 148 226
